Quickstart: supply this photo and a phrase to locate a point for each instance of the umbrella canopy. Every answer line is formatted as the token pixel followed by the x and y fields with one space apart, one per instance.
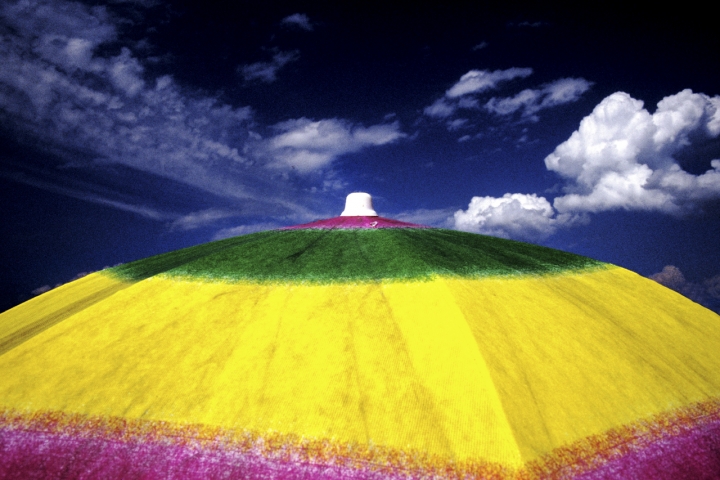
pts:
pixel 360 347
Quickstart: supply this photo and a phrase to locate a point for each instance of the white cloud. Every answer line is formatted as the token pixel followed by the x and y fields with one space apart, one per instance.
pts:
pixel 142 210
pixel 61 94
pixel 125 72
pixel 480 46
pixel 435 217
pixel 564 90
pixel 456 124
pixel 64 20
pixel 477 81
pixel 306 145
pixel 114 117
pixel 440 109
pixel 88 195
pixel 244 230
pixel 513 215
pixel 622 156
pixel 461 95
pixel 47 288
pixel 508 105
pixel 267 71
pixel 671 277
pixel 299 20
pixel 527 24
pixel 706 293
pixel 202 218
pixel 531 101
pixel 469 103
pixel 78 52
pixel 41 290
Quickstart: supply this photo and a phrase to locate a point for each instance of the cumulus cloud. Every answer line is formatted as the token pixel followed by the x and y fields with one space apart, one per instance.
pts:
pixel 706 293
pixel 671 277
pixel 267 71
pixel 473 82
pixel 514 215
pixel 531 101
pixel 299 20
pixel 306 145
pixel 622 156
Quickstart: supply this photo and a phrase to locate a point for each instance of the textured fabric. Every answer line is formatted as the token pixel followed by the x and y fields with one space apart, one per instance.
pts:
pixel 327 255
pixel 351 222
pixel 370 351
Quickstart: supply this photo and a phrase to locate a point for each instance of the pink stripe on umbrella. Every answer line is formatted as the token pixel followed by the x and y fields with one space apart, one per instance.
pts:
pixel 354 222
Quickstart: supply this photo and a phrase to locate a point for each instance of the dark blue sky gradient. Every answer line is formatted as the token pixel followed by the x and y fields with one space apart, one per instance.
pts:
pixel 134 128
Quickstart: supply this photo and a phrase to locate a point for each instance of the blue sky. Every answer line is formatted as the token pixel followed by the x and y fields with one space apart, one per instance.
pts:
pixel 131 128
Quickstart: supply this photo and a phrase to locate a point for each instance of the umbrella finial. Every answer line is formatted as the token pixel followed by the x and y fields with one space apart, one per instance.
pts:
pixel 358 204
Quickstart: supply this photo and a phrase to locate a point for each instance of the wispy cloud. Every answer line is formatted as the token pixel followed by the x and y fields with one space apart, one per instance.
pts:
pixel 435 217
pixel 466 95
pixel 202 218
pixel 531 101
pixel 58 89
pixel 306 145
pixel 88 195
pixel 461 95
pixel 527 24
pixel 621 157
pixel 456 124
pixel 47 288
pixel 267 71
pixel 440 108
pixel 477 81
pixel 62 94
pixel 245 229
pixel 299 20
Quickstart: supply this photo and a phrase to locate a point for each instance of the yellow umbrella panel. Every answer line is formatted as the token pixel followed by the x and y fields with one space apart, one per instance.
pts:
pixel 360 347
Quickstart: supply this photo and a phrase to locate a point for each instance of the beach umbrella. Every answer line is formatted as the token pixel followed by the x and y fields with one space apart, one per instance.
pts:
pixel 360 347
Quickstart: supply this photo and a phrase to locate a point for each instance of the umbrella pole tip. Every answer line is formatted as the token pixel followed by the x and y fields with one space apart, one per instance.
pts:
pixel 358 204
